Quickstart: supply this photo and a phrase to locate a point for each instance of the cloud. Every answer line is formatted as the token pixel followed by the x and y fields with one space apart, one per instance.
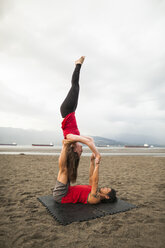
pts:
pixel 122 79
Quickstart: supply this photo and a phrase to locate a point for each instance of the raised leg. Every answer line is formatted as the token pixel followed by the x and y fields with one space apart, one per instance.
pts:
pixel 69 105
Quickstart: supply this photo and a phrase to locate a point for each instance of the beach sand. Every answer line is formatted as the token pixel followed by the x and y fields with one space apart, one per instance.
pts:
pixel 25 222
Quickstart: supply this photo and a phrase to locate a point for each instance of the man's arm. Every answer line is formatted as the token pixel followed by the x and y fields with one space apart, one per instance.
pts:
pixel 87 141
pixel 94 198
pixel 91 169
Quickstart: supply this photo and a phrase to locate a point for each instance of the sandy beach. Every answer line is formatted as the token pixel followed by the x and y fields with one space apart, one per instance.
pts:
pixel 25 222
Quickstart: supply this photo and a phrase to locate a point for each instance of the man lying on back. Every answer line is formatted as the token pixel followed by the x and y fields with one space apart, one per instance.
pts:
pixel 64 193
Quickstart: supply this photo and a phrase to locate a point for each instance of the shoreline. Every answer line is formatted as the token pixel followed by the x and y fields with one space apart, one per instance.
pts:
pixel 110 151
pixel 85 154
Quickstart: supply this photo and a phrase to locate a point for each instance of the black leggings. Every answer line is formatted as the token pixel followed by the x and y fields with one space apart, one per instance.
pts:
pixel 69 105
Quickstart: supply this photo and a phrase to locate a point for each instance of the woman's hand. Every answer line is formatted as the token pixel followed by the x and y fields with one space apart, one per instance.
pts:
pixel 97 158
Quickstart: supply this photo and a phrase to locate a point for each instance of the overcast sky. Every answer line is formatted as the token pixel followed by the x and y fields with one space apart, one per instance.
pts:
pixel 123 77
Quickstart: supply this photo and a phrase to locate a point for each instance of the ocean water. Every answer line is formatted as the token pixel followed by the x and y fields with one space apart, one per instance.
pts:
pixel 104 151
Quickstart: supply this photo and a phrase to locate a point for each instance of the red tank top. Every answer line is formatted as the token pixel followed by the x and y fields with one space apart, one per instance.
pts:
pixel 78 193
pixel 69 125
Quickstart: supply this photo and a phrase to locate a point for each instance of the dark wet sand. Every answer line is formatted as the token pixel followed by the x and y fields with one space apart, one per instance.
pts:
pixel 25 223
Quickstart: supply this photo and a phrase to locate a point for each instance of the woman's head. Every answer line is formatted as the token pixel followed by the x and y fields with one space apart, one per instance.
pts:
pixel 73 159
pixel 77 148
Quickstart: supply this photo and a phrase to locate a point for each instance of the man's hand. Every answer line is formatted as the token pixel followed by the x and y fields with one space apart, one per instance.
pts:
pixel 93 156
pixel 98 158
pixel 66 142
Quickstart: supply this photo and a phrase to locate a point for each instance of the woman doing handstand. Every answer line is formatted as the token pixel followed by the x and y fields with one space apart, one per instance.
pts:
pixel 69 125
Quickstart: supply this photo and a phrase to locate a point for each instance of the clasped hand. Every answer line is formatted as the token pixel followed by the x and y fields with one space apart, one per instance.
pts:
pixel 97 158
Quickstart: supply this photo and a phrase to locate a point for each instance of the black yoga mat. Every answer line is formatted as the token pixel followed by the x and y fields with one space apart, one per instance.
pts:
pixel 68 213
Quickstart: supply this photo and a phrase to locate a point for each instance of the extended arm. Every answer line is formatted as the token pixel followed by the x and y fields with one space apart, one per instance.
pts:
pixel 62 174
pixel 91 169
pixel 94 197
pixel 87 141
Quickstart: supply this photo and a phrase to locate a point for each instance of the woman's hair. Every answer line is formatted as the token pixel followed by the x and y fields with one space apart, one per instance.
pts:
pixel 112 197
pixel 72 163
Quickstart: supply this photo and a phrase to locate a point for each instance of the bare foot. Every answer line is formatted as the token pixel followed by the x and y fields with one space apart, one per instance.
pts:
pixel 80 60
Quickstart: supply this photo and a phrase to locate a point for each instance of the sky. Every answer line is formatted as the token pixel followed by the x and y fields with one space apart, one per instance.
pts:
pixel 122 81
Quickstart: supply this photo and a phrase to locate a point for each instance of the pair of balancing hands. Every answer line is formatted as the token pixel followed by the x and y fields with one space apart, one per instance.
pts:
pixel 95 156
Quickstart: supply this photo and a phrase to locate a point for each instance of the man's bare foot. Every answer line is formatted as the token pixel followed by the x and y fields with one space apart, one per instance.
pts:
pixel 80 60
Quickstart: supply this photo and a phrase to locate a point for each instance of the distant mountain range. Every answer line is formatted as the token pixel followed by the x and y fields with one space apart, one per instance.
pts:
pixel 28 137
pixel 100 141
